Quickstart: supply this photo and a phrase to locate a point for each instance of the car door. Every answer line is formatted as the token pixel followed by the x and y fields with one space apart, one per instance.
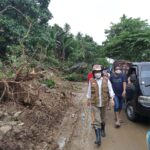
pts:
pixel 145 79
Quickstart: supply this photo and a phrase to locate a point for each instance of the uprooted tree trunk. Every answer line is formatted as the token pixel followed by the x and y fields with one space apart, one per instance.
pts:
pixel 18 90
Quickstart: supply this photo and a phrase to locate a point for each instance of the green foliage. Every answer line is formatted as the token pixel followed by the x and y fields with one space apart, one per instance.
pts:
pixel 74 77
pixel 49 83
pixel 2 75
pixel 25 33
pixel 51 61
pixel 25 36
pixel 129 39
pixel 22 23
pixel 103 62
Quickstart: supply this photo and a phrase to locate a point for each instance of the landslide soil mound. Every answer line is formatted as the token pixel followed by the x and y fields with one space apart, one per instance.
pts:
pixel 31 120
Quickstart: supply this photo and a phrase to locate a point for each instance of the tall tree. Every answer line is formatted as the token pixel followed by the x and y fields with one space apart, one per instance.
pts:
pixel 128 39
pixel 22 21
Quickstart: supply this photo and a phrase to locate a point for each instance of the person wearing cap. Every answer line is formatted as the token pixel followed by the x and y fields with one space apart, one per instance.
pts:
pixel 99 91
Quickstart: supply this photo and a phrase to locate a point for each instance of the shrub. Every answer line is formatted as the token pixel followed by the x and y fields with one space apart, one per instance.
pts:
pixel 74 77
pixel 50 83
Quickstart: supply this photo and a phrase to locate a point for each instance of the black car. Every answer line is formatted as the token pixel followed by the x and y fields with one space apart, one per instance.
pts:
pixel 138 90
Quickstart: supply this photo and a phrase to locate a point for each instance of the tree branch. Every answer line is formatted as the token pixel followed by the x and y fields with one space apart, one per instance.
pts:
pixel 11 7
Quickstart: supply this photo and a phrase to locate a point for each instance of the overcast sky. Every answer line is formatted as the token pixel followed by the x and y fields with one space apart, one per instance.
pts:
pixel 92 17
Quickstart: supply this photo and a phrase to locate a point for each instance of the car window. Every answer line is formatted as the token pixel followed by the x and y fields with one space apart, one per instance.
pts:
pixel 145 72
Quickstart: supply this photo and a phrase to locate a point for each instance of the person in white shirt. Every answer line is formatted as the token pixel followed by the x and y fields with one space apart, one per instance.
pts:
pixel 99 92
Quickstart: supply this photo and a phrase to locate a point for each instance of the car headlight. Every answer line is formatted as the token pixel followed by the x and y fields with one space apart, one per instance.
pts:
pixel 144 101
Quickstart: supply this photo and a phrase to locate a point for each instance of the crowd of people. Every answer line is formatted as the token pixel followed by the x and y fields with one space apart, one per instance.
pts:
pixel 105 89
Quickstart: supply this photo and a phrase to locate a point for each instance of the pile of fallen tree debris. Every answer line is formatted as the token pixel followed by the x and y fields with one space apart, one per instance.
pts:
pixel 31 112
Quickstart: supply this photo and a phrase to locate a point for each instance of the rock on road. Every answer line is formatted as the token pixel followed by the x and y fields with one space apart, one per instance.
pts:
pixel 130 136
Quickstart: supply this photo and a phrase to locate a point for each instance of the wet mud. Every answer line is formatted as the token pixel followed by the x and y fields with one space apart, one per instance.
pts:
pixel 130 136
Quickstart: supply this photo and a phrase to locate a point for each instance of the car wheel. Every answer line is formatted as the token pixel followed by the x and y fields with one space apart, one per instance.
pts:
pixel 130 112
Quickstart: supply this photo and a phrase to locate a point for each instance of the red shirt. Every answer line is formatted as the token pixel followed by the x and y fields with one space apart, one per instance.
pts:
pixel 89 76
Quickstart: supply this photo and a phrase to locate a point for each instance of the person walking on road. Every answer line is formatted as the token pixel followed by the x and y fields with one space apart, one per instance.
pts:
pixel 99 91
pixel 118 81
pixel 90 75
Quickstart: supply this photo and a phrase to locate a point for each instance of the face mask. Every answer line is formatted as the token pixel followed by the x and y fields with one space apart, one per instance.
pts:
pixel 118 71
pixel 97 75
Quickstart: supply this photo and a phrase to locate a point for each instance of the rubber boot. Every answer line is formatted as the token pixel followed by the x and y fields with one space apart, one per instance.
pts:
pixel 96 133
pixel 103 133
pixel 98 136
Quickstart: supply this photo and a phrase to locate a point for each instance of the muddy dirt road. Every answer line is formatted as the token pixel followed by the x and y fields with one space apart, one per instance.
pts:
pixel 130 136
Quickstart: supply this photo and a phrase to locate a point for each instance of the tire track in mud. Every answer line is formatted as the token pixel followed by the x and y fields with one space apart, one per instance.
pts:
pixel 71 119
pixel 80 137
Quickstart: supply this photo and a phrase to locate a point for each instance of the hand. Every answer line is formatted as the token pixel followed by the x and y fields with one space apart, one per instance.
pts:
pixel 112 102
pixel 124 93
